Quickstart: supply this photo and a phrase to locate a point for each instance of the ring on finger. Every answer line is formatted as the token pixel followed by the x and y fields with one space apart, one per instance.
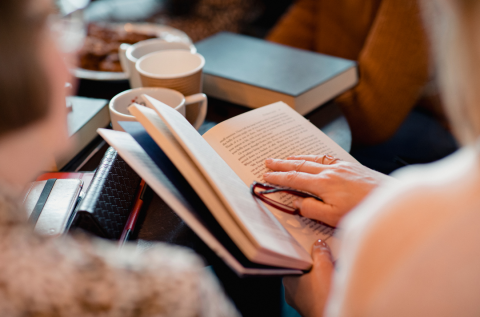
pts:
pixel 335 159
pixel 317 159
pixel 330 158
pixel 299 166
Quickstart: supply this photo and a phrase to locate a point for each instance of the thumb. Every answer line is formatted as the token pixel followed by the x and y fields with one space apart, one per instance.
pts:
pixel 322 257
pixel 314 209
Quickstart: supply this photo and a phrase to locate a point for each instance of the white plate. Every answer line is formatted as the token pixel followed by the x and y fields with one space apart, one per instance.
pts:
pixel 162 31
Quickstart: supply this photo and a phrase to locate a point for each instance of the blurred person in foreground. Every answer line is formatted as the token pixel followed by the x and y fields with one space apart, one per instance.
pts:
pixel 388 40
pixel 409 247
pixel 43 276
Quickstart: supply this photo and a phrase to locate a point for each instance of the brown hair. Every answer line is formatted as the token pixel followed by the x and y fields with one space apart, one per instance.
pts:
pixel 24 90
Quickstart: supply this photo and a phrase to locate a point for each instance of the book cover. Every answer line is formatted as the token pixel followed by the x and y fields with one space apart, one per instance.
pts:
pixel 247 70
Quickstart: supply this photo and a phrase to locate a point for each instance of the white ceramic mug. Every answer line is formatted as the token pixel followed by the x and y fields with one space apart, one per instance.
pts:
pixel 119 104
pixel 175 69
pixel 130 54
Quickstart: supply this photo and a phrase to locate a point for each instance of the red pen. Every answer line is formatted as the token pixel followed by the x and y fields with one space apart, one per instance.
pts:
pixel 132 219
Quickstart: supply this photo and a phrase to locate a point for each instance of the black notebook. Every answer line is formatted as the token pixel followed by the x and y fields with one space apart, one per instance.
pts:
pixel 254 72
pixel 107 204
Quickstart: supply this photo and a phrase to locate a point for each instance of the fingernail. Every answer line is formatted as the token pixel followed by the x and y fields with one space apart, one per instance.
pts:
pixel 266 174
pixel 268 161
pixel 297 203
pixel 321 245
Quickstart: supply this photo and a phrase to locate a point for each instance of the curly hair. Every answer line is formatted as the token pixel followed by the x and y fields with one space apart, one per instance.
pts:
pixel 24 90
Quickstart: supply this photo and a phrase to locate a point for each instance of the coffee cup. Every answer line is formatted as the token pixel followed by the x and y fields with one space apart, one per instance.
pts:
pixel 175 69
pixel 119 104
pixel 130 54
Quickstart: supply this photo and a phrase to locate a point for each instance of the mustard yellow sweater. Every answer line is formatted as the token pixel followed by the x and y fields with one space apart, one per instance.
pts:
pixel 388 40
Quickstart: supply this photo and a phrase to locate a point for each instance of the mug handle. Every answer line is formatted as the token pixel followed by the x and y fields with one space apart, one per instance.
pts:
pixel 203 108
pixel 122 55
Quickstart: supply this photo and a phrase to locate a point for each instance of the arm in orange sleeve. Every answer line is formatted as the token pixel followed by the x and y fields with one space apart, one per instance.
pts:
pixel 297 27
pixel 393 68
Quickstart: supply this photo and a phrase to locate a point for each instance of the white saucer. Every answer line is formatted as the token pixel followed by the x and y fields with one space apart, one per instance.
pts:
pixel 162 31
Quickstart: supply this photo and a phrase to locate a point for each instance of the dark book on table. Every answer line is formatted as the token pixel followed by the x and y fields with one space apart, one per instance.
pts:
pixel 254 72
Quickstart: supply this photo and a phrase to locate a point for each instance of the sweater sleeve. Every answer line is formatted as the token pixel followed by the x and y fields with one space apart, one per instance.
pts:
pixel 393 68
pixel 81 276
pixel 297 27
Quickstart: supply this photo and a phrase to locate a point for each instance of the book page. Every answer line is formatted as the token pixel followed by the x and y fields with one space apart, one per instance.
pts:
pixel 167 187
pixel 274 131
pixel 273 241
pixel 159 132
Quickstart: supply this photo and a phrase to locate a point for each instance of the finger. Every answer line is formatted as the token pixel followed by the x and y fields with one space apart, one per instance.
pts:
pixel 319 159
pixel 318 210
pixel 294 165
pixel 311 158
pixel 298 180
pixel 322 258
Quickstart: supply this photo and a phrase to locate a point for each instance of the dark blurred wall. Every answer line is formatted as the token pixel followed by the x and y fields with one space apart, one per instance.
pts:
pixel 259 16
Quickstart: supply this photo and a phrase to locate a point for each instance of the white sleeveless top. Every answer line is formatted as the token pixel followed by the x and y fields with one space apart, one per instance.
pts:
pixel 413 248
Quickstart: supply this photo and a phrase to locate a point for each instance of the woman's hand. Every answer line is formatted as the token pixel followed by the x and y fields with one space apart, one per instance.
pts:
pixel 341 185
pixel 308 293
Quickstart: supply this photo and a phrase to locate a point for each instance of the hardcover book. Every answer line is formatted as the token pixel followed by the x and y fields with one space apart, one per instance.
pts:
pixel 253 73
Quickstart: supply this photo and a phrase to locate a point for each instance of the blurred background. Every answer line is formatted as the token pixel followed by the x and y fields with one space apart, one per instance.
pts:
pixel 197 18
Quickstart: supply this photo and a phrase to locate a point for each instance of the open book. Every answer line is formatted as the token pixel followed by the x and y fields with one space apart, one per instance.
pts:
pixel 214 173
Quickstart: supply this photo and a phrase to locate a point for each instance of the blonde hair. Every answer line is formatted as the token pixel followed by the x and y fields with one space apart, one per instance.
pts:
pixel 455 33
